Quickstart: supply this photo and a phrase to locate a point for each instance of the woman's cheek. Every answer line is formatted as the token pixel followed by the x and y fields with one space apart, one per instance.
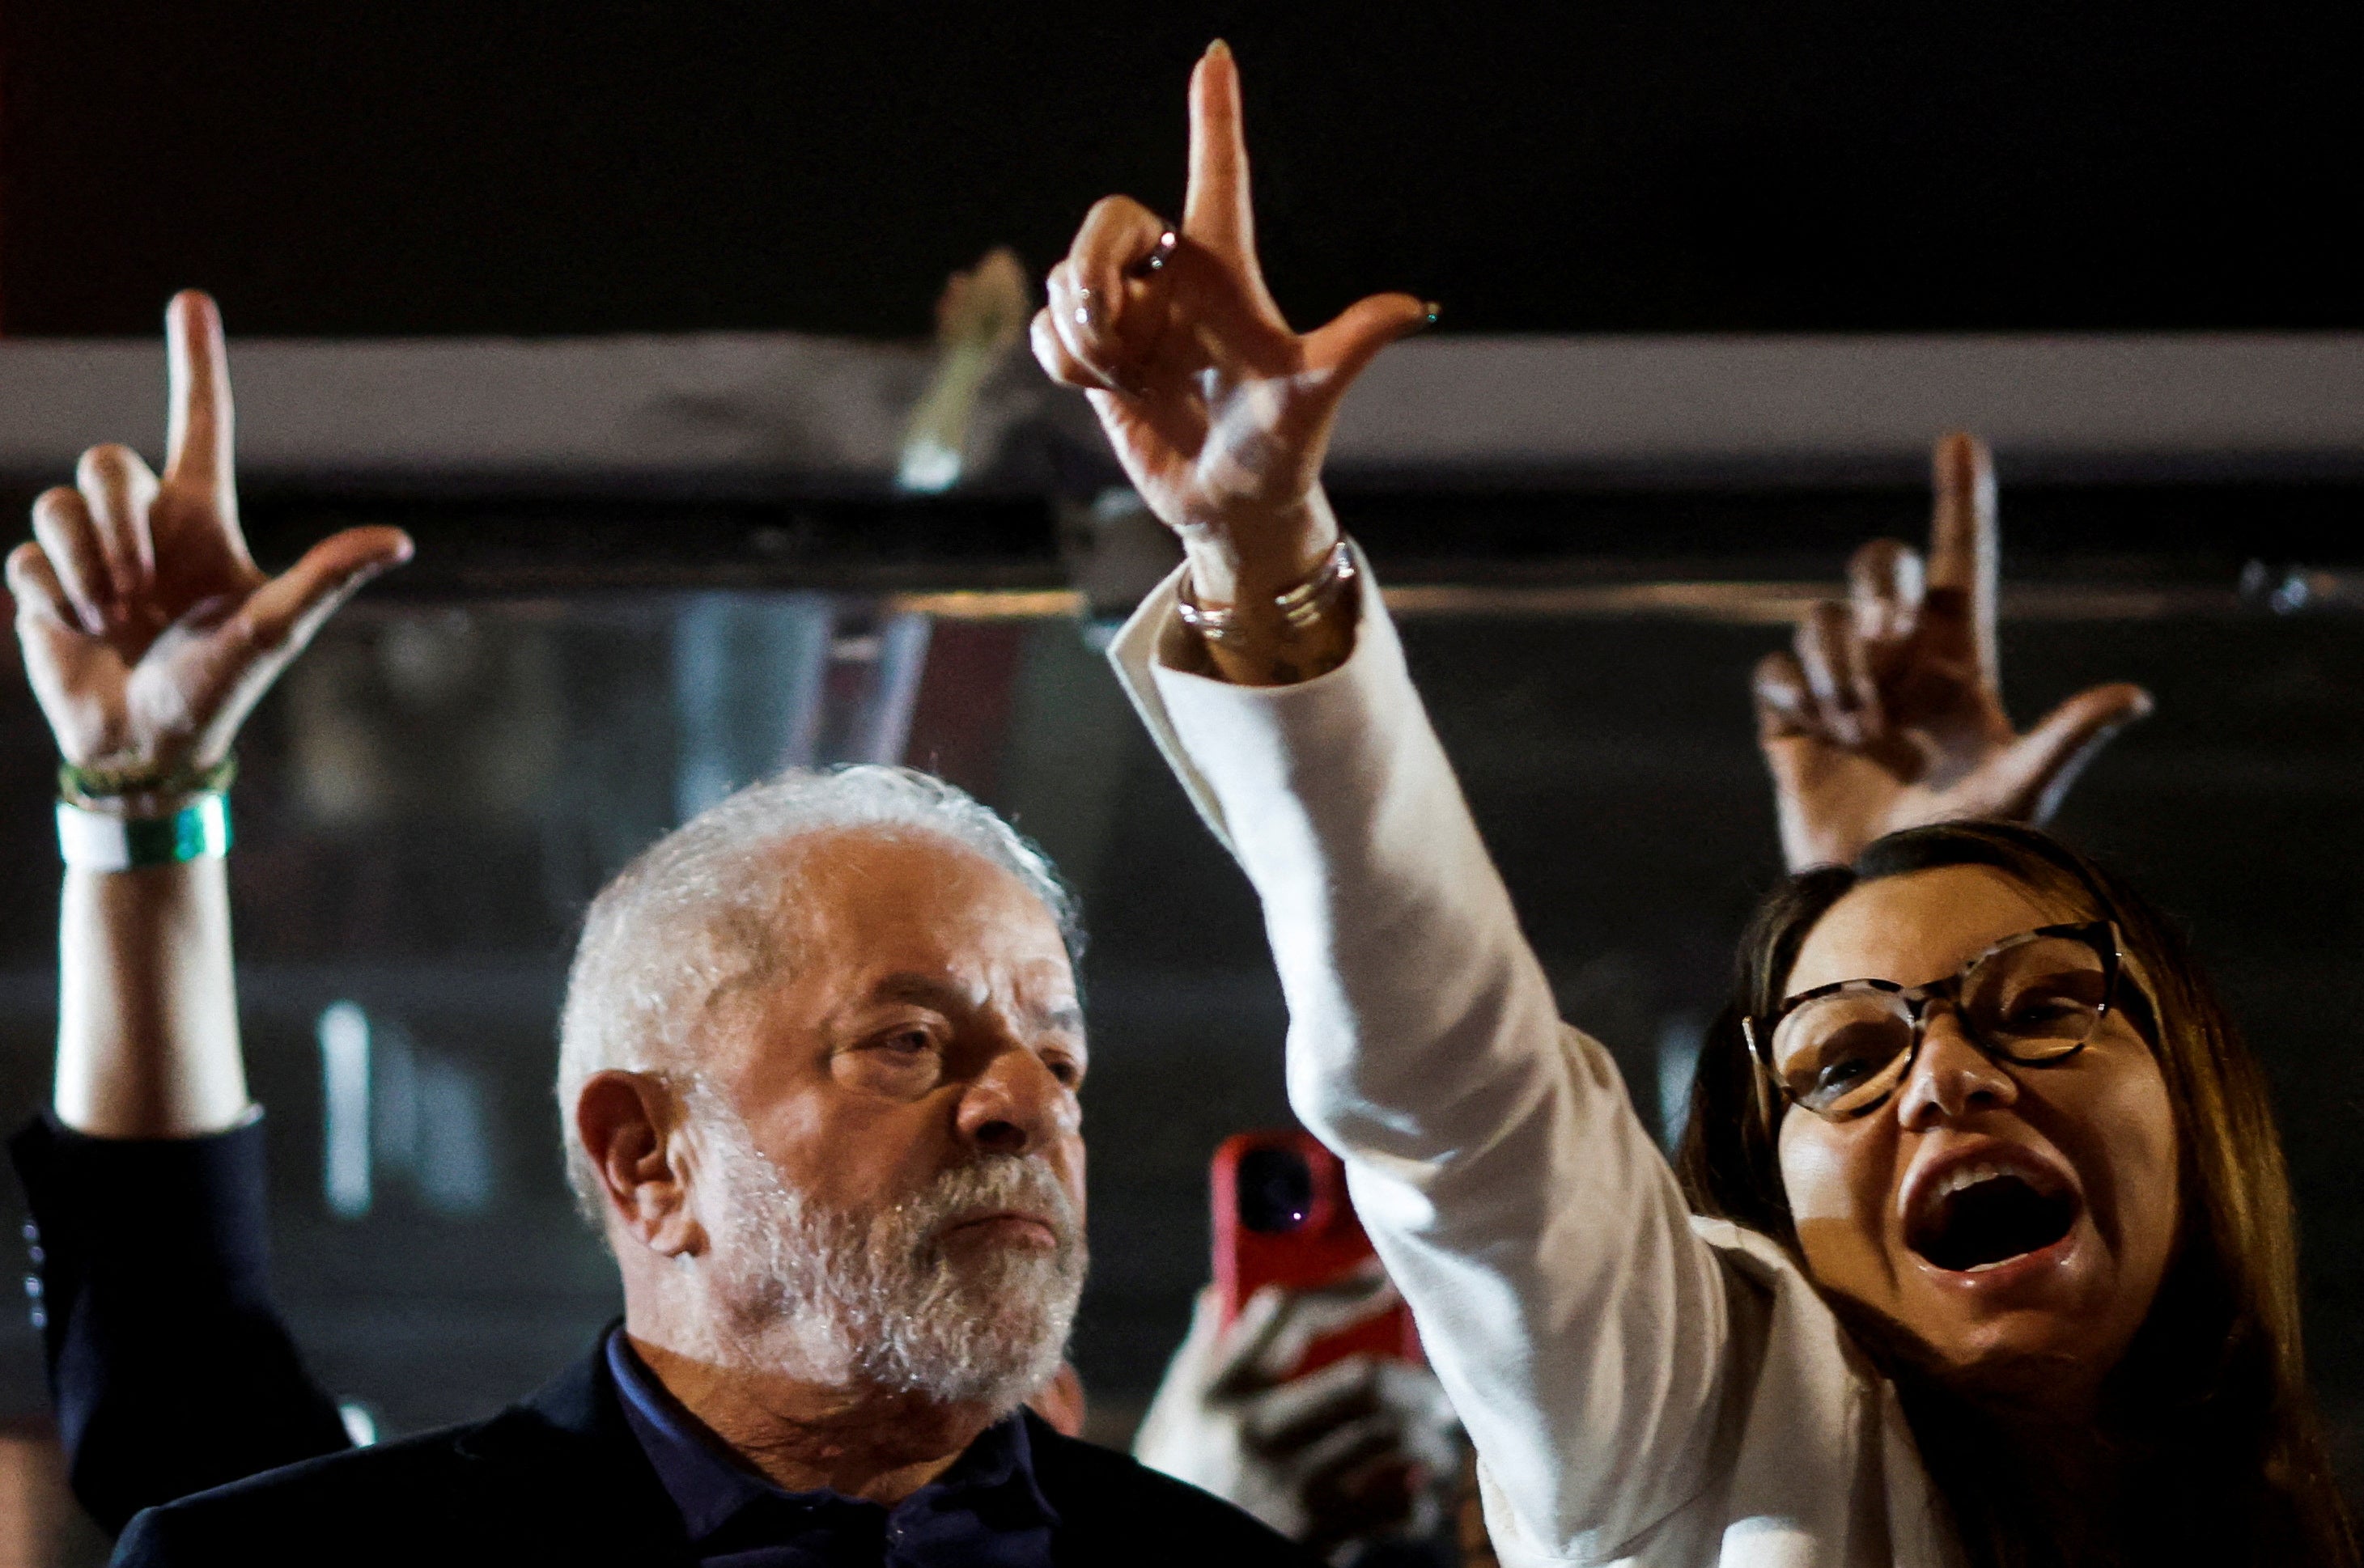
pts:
pixel 1838 1221
pixel 2132 1135
pixel 1814 1172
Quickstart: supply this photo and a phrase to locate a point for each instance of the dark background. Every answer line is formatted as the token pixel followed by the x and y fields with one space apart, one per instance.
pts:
pixel 533 167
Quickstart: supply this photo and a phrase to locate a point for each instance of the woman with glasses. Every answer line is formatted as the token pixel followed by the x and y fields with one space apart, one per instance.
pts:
pixel 1980 1245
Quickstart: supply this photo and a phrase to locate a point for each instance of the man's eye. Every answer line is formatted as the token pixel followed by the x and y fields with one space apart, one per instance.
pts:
pixel 1066 1072
pixel 908 1042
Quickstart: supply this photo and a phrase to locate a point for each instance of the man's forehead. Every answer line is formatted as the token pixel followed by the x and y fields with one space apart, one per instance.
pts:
pixel 866 914
pixel 876 876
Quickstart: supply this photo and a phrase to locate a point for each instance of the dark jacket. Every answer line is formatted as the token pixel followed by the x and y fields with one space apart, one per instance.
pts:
pixel 174 1373
pixel 561 1479
pixel 170 1368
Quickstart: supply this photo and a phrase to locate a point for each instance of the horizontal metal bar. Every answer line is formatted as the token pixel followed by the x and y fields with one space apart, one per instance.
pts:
pixel 777 413
pixel 1749 604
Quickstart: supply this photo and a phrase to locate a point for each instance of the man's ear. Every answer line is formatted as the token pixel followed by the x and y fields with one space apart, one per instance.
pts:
pixel 631 1127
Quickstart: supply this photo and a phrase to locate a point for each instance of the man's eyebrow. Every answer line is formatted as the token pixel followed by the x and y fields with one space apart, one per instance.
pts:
pixel 934 991
pixel 931 989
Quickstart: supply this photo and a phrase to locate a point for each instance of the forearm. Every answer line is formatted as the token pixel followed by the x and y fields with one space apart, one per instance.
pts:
pixel 148 1041
pixel 1514 1197
pixel 1408 979
pixel 171 1368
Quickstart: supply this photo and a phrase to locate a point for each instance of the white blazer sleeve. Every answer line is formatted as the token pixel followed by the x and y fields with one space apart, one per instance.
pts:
pixel 1578 1323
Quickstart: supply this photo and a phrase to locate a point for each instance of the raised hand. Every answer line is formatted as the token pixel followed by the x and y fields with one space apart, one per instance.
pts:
pixel 1888 713
pixel 1219 413
pixel 147 631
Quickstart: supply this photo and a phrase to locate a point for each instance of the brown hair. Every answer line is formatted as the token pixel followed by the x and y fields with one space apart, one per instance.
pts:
pixel 2208 1416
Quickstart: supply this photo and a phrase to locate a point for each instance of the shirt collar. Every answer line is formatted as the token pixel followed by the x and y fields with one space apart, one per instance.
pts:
pixel 993 1478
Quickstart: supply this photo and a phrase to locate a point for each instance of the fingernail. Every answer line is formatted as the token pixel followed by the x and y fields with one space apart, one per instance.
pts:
pixel 1429 311
pixel 1218 49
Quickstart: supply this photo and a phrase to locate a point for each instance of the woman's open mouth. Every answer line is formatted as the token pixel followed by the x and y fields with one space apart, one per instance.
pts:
pixel 1982 1214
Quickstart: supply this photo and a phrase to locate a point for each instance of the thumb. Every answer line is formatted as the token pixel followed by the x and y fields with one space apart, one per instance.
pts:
pixel 2030 778
pixel 1341 350
pixel 285 612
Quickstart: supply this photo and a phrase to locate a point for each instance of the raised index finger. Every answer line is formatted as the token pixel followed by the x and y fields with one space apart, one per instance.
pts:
pixel 1963 544
pixel 198 439
pixel 1216 211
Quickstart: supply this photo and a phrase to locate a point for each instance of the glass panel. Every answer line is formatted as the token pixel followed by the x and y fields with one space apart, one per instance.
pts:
pixel 436 792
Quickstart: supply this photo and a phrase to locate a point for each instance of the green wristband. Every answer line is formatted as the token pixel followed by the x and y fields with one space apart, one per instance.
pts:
pixel 100 841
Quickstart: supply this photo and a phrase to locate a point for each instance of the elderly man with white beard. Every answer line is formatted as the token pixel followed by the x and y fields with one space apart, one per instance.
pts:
pixel 820 1066
pixel 819 1081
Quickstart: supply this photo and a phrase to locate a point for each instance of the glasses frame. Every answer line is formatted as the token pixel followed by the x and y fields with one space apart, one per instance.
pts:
pixel 2102 936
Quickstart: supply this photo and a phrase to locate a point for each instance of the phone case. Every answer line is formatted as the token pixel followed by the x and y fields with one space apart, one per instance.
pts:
pixel 1273 1229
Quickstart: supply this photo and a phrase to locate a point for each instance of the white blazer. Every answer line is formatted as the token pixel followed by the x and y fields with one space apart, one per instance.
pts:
pixel 1643 1386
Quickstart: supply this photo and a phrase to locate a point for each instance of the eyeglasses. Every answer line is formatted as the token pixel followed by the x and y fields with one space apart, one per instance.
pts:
pixel 1839 1050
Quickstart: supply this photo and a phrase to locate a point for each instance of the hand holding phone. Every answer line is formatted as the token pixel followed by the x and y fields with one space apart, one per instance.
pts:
pixel 1364 1448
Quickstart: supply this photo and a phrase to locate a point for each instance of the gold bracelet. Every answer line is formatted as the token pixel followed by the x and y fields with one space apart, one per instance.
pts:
pixel 100 786
pixel 1301 608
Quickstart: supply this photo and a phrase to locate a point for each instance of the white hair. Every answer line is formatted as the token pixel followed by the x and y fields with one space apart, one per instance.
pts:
pixel 702 907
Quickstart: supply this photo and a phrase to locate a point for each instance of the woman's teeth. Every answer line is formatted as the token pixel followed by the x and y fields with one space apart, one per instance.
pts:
pixel 1970 1176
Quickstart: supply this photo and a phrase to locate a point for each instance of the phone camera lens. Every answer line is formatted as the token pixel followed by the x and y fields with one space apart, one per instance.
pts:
pixel 1276 1190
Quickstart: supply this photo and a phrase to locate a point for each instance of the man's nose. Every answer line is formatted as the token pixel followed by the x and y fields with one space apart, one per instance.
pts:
pixel 1951 1077
pixel 1015 1105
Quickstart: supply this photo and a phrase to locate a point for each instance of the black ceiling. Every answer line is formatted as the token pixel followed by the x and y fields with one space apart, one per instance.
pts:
pixel 1625 164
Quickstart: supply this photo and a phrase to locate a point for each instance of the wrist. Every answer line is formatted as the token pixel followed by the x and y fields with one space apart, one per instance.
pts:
pixel 125 819
pixel 99 841
pixel 1251 560
pixel 1305 630
pixel 143 789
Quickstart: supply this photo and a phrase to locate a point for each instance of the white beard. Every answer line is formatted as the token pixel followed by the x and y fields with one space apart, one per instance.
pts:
pixel 838 1299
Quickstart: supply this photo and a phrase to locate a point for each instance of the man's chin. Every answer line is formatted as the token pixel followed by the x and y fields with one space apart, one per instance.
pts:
pixel 998 1263
pixel 996 1367
pixel 992 1332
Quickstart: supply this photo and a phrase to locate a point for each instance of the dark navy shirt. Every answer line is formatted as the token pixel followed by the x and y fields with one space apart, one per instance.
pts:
pixel 984 1512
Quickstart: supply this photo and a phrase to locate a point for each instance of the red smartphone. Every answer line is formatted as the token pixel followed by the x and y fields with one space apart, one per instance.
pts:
pixel 1282 1216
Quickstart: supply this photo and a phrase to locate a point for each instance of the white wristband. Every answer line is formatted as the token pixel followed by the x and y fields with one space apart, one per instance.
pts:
pixel 100 841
